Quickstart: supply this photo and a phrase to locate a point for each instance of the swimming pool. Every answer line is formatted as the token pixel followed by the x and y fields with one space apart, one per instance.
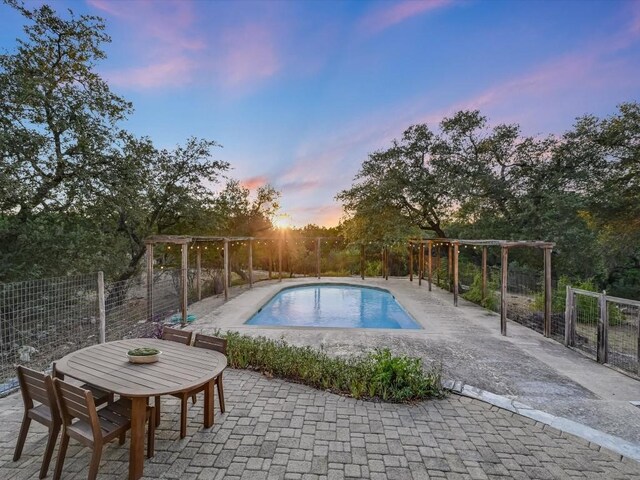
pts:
pixel 331 305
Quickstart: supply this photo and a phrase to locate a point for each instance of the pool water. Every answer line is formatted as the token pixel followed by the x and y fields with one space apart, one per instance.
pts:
pixel 328 305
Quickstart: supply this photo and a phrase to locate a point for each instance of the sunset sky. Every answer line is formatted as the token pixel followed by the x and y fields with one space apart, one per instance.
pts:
pixel 299 92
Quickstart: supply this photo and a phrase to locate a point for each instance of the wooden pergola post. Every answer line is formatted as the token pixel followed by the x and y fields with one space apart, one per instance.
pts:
pixel 318 240
pixel 429 265
pixel 250 262
pixel 450 265
pixel 183 282
pixel 362 261
pixel 484 273
pixel 382 261
pixel 149 281
pixel 421 260
pixel 438 253
pixel 386 263
pixel 547 292
pixel 199 272
pixel 225 280
pixel 456 247
pixel 410 262
pixel 229 265
pixel 503 290
pixel 280 259
pixel 270 249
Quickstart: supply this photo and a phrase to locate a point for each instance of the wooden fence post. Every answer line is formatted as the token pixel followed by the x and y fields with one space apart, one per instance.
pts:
pixel 102 321
pixel 603 330
pixel 450 266
pixel 484 272
pixel 638 342
pixel 183 282
pixel 149 282
pixel 429 263
pixel 410 262
pixel 251 263
pixel 280 259
pixel 568 316
pixel 547 292
pixel 199 272
pixel 225 280
pixel 421 260
pixel 456 246
pixel 386 261
pixel 503 290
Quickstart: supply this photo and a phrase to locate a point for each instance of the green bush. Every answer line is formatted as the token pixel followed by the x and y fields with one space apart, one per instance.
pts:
pixel 378 375
pixel 491 301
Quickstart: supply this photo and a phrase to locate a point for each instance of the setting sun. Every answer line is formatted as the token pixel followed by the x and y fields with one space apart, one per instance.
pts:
pixel 282 223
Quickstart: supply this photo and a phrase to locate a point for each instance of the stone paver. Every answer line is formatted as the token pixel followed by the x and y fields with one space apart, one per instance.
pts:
pixel 278 430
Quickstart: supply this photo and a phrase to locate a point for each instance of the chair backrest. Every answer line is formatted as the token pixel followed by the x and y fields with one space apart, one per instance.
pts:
pixel 212 343
pixel 78 403
pixel 36 386
pixel 176 335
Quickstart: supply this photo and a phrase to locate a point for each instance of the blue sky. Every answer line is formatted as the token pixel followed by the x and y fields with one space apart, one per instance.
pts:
pixel 299 92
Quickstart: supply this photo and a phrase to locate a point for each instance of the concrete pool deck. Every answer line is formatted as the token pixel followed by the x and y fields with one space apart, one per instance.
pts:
pixel 523 366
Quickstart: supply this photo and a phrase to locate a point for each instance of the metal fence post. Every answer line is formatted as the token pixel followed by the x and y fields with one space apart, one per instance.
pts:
pixel 102 324
pixel 603 329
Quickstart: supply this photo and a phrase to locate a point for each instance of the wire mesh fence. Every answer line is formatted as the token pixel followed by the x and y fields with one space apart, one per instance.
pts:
pixel 605 328
pixel 42 320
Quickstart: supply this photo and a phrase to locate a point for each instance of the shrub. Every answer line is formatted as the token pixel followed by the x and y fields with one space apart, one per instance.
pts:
pixel 377 375
pixel 474 294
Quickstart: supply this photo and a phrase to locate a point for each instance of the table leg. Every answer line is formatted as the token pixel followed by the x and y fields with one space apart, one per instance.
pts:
pixel 136 452
pixel 208 404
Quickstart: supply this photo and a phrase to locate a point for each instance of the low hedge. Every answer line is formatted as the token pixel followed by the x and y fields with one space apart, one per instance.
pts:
pixel 377 375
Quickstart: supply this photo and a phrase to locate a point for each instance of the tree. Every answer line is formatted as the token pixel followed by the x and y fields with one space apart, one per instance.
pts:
pixel 244 215
pixel 76 192
pixel 57 118
pixel 401 180
pixel 146 191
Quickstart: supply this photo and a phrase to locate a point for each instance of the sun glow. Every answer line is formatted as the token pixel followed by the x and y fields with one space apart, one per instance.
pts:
pixel 282 223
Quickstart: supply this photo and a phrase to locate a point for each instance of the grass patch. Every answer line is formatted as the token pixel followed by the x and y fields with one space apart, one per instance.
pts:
pixel 377 375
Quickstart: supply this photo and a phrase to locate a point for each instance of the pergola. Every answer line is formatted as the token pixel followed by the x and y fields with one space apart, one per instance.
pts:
pixel 453 246
pixel 184 241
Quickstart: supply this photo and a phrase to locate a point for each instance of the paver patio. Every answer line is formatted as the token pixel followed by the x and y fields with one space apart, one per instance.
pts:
pixel 279 430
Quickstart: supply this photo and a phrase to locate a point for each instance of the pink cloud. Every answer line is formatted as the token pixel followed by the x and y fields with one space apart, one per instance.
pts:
pixel 300 186
pixel 393 13
pixel 170 72
pixel 254 182
pixel 165 47
pixel 249 53
pixel 321 215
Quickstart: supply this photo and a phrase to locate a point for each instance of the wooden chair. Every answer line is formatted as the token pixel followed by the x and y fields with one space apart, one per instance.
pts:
pixel 211 343
pixel 219 345
pixel 92 427
pixel 39 387
pixel 99 396
pixel 178 336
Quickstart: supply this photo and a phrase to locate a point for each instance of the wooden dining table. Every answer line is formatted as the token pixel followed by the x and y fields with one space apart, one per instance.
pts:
pixel 180 368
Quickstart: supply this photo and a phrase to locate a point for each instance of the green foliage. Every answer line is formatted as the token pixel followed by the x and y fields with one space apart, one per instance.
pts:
pixel 143 352
pixel 376 375
pixel 474 294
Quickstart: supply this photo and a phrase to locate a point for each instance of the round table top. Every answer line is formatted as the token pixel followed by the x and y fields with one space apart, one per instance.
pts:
pixel 180 367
